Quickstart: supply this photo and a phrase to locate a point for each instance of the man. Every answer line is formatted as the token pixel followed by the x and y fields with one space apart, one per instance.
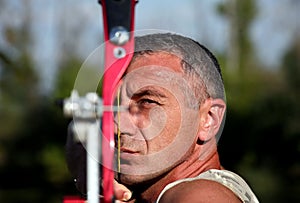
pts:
pixel 174 93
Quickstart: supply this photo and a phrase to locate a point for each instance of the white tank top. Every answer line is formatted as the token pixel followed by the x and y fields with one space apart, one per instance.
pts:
pixel 227 178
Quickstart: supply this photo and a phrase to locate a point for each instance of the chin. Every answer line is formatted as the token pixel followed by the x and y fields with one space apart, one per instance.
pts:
pixel 137 178
pixel 132 180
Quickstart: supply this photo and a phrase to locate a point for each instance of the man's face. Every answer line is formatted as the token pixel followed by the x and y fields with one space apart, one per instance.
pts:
pixel 158 131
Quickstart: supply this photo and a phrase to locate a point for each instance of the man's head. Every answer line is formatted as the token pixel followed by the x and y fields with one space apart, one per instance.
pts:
pixel 175 96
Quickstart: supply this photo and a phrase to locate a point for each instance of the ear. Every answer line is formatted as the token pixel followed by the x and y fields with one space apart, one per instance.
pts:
pixel 211 116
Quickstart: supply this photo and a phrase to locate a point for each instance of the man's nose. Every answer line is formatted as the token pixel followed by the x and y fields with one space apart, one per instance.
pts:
pixel 124 122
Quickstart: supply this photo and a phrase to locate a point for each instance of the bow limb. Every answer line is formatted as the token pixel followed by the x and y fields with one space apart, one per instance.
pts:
pixel 112 76
pixel 117 58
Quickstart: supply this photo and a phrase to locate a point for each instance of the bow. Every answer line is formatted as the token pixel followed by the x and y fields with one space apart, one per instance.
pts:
pixel 118 21
pixel 88 111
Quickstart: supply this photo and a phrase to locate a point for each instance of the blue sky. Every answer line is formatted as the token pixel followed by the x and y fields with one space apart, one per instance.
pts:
pixel 54 20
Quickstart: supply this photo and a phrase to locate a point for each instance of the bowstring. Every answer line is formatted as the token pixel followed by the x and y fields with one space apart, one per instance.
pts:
pixel 119 132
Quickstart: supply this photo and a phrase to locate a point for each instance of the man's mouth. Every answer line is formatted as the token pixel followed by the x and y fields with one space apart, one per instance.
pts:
pixel 129 151
pixel 128 156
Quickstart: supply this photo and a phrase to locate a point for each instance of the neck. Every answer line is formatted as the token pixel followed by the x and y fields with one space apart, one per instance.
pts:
pixel 191 167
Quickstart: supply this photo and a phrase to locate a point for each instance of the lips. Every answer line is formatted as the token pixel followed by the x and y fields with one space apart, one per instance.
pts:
pixel 128 155
pixel 129 151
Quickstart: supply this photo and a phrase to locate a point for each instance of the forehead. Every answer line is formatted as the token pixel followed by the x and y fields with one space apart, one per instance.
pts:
pixel 159 59
pixel 161 70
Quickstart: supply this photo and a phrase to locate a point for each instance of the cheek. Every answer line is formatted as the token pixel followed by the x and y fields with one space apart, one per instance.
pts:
pixel 164 125
pixel 156 122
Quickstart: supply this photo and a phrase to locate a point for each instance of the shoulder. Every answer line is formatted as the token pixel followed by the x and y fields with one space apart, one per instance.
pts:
pixel 199 191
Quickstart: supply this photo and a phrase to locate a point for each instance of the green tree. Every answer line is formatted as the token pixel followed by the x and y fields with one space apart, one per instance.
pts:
pixel 260 133
pixel 32 133
pixel 240 15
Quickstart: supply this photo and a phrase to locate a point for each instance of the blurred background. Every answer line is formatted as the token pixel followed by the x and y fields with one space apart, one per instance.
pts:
pixel 44 43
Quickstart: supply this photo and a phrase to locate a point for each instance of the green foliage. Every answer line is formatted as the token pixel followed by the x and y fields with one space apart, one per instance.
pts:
pixel 261 137
pixel 52 157
pixel 74 74
pixel 240 15
pixel 66 77
pixel 30 125
pixel 291 67
pixel 18 90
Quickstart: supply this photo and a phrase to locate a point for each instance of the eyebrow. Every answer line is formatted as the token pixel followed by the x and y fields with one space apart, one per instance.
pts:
pixel 149 91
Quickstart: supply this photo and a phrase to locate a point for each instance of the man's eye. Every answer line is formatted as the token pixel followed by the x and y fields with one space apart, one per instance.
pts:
pixel 147 102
